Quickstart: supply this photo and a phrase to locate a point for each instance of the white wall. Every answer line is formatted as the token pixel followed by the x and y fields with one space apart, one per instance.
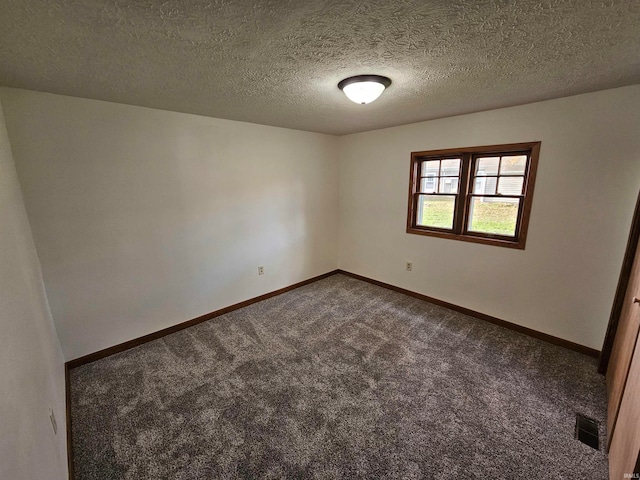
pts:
pixel 588 179
pixel 31 363
pixel 146 218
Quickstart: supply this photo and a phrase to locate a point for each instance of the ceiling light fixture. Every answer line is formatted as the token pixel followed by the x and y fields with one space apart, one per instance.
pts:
pixel 364 88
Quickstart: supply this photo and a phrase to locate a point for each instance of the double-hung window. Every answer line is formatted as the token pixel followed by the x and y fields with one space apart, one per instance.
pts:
pixel 476 194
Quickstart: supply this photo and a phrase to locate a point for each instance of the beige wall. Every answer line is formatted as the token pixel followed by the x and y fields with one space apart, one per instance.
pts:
pixel 146 218
pixel 586 187
pixel 31 364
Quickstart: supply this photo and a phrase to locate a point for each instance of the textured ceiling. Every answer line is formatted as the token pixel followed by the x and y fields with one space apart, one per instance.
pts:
pixel 278 62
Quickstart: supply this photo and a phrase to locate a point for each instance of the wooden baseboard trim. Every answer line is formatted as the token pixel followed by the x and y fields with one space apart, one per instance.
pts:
pixel 482 316
pixel 121 347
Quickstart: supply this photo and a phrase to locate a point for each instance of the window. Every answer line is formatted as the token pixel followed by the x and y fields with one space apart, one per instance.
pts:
pixel 476 194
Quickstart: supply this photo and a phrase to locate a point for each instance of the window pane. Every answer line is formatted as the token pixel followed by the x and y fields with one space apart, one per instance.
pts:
pixel 513 165
pixel 430 168
pixel 493 215
pixel 428 185
pixel 487 166
pixel 436 211
pixel 450 167
pixel 510 185
pixel 448 184
pixel 485 185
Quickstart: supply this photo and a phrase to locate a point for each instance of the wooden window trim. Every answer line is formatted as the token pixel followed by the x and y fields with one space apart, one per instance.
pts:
pixel 463 197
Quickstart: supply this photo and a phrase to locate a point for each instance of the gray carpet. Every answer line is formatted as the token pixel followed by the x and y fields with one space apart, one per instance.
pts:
pixel 338 379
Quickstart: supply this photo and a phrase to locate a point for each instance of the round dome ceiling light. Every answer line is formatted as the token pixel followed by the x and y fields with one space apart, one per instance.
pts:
pixel 364 88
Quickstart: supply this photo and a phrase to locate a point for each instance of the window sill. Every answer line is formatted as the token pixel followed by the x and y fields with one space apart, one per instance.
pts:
pixel 499 242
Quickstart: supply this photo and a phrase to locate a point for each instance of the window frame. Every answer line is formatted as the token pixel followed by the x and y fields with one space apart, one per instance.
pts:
pixel 468 160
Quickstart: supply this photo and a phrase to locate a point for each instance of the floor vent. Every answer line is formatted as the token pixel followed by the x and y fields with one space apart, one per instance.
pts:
pixel 587 431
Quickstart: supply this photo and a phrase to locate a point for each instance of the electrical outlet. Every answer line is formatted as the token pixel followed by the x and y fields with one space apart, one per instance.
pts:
pixel 260 270
pixel 52 417
pixel 409 266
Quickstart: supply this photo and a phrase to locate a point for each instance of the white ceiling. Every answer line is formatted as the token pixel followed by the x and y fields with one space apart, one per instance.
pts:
pixel 278 62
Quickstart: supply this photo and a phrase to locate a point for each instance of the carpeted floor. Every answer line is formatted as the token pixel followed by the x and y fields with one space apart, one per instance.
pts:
pixel 338 379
